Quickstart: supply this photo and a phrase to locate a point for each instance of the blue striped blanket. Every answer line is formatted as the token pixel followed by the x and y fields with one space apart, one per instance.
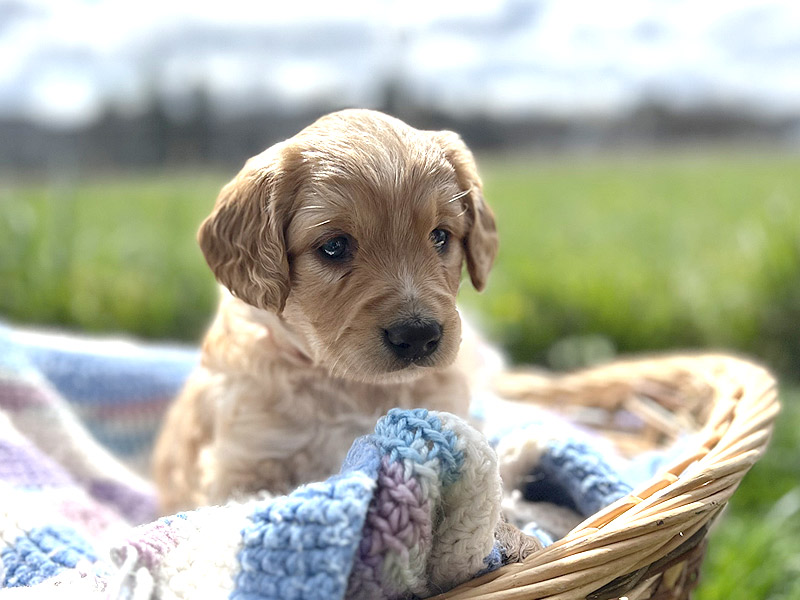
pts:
pixel 413 511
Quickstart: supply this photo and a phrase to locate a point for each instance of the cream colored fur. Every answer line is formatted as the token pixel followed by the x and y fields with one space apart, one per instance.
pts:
pixel 295 365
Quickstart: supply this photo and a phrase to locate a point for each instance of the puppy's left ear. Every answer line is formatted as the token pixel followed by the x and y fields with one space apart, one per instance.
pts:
pixel 480 244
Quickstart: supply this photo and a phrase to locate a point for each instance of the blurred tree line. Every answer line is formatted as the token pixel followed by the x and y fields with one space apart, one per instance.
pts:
pixel 194 133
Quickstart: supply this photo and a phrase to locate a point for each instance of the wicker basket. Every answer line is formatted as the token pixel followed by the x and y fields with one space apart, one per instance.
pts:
pixel 649 544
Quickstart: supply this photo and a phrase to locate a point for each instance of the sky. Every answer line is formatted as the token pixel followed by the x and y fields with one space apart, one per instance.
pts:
pixel 64 62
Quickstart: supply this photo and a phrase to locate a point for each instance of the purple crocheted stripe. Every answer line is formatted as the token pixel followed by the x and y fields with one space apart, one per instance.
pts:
pixel 136 506
pixel 398 520
pixel 152 541
pixel 26 467
pixel 92 517
pixel 17 394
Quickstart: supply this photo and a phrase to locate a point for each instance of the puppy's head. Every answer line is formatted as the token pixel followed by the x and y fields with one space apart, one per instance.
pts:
pixel 356 230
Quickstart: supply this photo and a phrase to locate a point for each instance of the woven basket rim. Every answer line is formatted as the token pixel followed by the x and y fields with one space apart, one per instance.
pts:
pixel 659 517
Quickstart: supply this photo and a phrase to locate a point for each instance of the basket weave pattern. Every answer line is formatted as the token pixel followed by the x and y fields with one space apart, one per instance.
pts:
pixel 648 545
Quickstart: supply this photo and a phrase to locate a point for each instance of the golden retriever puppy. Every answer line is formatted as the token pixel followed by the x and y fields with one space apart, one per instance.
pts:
pixel 341 249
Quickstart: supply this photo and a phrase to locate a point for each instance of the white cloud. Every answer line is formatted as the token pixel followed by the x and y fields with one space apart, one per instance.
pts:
pixel 558 56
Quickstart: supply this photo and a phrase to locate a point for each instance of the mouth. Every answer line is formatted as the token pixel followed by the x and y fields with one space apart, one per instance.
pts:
pixel 408 369
pixel 401 373
pixel 400 370
pixel 411 364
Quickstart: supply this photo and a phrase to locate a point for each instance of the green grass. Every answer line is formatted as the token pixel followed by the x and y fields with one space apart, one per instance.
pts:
pixel 652 252
pixel 112 254
pixel 754 550
pixel 601 255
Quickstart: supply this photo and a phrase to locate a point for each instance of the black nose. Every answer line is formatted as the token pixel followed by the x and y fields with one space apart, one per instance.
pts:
pixel 413 339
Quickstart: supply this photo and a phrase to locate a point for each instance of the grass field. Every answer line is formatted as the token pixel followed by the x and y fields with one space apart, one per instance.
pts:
pixel 598 256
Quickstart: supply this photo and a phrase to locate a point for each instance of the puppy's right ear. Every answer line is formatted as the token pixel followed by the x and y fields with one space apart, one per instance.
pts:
pixel 243 238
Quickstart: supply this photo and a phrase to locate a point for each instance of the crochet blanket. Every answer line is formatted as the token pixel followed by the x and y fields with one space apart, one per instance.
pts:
pixel 413 511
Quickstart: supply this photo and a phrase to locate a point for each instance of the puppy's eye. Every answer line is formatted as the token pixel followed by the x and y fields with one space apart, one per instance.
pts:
pixel 440 237
pixel 337 248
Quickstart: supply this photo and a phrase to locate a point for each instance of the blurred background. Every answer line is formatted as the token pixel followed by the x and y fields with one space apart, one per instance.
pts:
pixel 643 160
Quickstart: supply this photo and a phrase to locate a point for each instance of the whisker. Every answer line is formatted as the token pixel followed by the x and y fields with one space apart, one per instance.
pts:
pixel 310 207
pixel 459 195
pixel 354 313
pixel 335 364
pixel 345 326
pixel 462 213
pixel 325 222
